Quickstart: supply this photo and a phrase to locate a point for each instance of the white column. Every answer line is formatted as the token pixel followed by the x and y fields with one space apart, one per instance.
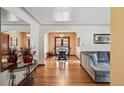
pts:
pixel 41 46
pixel 34 42
pixel 45 45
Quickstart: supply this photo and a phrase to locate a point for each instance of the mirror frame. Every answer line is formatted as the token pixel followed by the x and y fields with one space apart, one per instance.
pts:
pixel 1 68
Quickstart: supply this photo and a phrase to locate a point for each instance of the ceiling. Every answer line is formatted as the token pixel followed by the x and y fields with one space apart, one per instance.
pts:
pixel 9 18
pixel 70 15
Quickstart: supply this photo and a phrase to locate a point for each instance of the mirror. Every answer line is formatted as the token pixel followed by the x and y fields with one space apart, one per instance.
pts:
pixel 15 34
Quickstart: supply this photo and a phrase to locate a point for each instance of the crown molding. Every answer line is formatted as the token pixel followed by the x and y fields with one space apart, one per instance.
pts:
pixel 76 24
pixel 16 24
pixel 31 15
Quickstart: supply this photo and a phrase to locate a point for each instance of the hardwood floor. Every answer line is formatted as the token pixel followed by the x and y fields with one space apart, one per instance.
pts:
pixel 62 73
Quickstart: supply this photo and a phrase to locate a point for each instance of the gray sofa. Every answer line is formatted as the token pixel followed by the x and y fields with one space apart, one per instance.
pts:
pixel 97 64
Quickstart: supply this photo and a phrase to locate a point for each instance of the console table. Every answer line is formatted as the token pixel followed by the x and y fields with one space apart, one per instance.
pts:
pixel 29 75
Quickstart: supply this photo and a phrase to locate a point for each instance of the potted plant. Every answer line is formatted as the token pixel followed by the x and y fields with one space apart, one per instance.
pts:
pixel 27 56
pixel 12 55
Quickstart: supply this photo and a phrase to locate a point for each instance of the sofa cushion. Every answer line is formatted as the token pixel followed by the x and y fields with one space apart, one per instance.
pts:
pixel 103 57
pixel 93 57
pixel 101 69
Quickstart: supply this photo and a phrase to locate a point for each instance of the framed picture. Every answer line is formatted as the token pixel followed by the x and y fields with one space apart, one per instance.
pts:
pixel 14 41
pixel 102 38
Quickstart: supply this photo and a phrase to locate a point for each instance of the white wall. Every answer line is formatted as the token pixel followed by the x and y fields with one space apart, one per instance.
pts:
pixel 87 38
pixel 4 78
pixel 85 33
pixel 15 27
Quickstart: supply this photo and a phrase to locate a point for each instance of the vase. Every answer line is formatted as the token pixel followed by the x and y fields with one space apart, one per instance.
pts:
pixel 28 58
pixel 12 58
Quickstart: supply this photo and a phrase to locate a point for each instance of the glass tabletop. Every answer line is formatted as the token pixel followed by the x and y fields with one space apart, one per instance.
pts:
pixel 20 65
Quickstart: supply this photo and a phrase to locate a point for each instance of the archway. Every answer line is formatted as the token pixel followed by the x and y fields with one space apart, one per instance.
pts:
pixel 74 43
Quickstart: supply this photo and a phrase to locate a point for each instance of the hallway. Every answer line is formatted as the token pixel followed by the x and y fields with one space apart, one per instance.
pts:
pixel 68 73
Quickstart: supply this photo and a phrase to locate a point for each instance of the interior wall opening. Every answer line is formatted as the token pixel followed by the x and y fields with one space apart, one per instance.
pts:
pixel 61 41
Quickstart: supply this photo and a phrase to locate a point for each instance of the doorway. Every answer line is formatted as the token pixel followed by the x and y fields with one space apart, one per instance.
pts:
pixel 62 42
pixel 56 39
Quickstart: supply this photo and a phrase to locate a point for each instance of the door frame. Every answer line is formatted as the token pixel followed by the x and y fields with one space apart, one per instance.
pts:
pixel 61 37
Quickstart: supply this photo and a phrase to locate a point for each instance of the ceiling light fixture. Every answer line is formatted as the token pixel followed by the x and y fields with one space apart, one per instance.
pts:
pixel 61 35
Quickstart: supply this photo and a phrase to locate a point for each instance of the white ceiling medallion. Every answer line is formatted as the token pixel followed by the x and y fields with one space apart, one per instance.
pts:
pixel 61 14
